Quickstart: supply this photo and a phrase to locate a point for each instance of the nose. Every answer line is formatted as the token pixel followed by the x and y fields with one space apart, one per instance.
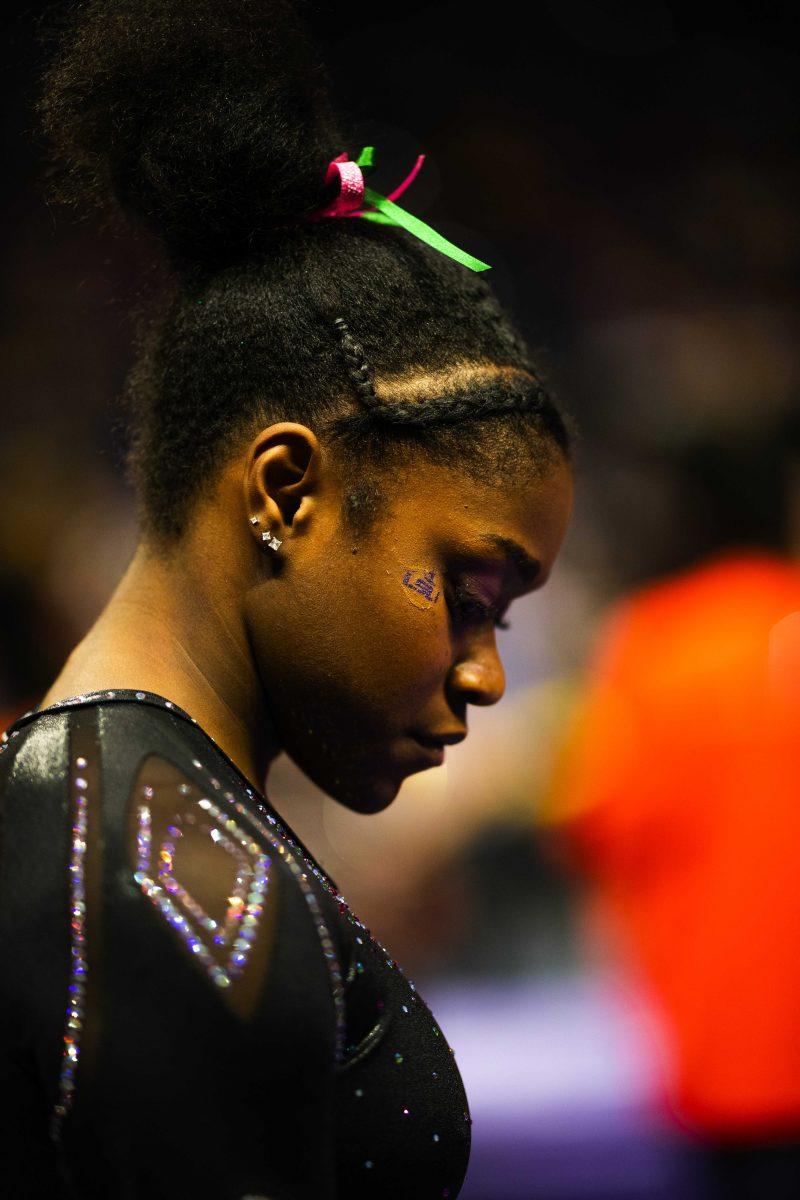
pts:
pixel 478 676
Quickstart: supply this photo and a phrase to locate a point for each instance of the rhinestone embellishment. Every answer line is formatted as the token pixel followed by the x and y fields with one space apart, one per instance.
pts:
pixel 238 930
pixel 328 947
pixel 71 1042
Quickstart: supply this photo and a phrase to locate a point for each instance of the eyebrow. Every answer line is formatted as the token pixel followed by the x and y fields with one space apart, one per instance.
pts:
pixel 527 567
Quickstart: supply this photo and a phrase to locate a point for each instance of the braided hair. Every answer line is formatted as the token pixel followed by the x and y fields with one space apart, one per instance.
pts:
pixel 211 125
pixel 357 365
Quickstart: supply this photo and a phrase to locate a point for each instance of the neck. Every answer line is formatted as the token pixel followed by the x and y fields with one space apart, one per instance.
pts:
pixel 165 630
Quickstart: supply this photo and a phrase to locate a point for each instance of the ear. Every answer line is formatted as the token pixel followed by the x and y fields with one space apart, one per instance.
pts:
pixel 282 471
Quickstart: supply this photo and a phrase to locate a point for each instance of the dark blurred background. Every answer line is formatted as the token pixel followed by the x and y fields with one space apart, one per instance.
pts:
pixel 630 171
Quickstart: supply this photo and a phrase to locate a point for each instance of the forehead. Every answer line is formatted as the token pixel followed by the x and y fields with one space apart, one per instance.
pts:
pixel 453 510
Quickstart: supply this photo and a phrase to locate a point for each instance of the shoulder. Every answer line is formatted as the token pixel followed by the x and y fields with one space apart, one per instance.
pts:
pixel 239 900
pixel 38 749
pixel 195 871
pixel 34 770
pixel 33 750
pixel 161 899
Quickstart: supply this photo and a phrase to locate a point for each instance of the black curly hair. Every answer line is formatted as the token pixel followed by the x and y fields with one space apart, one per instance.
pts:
pixel 211 123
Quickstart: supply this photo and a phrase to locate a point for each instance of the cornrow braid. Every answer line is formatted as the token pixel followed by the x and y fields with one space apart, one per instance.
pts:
pixel 522 393
pixel 358 368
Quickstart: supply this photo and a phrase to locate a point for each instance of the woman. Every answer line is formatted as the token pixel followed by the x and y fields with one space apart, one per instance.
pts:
pixel 346 470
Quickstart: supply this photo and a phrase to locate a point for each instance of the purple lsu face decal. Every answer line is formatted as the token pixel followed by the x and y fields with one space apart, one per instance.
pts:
pixel 421 586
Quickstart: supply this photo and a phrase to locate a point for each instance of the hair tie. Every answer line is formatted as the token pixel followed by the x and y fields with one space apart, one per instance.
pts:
pixel 353 193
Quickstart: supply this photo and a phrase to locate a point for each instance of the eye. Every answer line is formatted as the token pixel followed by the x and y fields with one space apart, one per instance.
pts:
pixel 469 607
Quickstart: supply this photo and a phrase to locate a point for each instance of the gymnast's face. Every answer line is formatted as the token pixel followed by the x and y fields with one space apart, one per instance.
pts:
pixel 364 645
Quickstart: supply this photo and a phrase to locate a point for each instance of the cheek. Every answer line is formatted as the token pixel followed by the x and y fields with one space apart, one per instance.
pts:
pixel 358 637
pixel 420 614
pixel 397 639
pixel 404 646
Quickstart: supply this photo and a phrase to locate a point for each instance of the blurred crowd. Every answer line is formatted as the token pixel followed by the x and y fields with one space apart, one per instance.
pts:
pixel 599 887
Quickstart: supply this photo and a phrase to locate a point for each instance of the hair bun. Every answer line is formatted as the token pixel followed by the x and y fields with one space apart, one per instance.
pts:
pixel 207 119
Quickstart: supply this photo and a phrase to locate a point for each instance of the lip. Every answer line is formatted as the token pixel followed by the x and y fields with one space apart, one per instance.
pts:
pixel 446 738
pixel 433 751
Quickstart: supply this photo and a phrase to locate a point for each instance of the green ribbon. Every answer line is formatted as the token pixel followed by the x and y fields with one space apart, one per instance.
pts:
pixel 389 213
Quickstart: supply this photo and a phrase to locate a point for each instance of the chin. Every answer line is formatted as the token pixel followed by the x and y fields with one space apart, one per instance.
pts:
pixel 361 788
pixel 367 799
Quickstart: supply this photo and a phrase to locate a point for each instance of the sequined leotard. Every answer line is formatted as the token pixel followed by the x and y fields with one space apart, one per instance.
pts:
pixel 190 1008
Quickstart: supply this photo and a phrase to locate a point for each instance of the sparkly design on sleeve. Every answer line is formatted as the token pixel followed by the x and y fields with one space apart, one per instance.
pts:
pixel 328 948
pixel 200 932
pixel 279 839
pixel 71 1041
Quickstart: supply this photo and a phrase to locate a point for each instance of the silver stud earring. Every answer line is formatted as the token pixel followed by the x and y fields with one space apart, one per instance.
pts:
pixel 267 537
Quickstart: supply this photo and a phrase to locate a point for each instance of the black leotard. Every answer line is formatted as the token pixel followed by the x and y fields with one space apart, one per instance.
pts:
pixel 191 1010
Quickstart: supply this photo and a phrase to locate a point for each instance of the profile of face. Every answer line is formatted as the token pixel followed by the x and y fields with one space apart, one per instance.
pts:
pixel 367 648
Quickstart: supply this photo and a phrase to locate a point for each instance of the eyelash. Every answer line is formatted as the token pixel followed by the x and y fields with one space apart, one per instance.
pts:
pixel 465 602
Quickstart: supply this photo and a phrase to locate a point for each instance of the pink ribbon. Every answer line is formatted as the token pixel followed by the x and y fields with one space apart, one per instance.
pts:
pixel 351 189
pixel 410 177
pixel 349 202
